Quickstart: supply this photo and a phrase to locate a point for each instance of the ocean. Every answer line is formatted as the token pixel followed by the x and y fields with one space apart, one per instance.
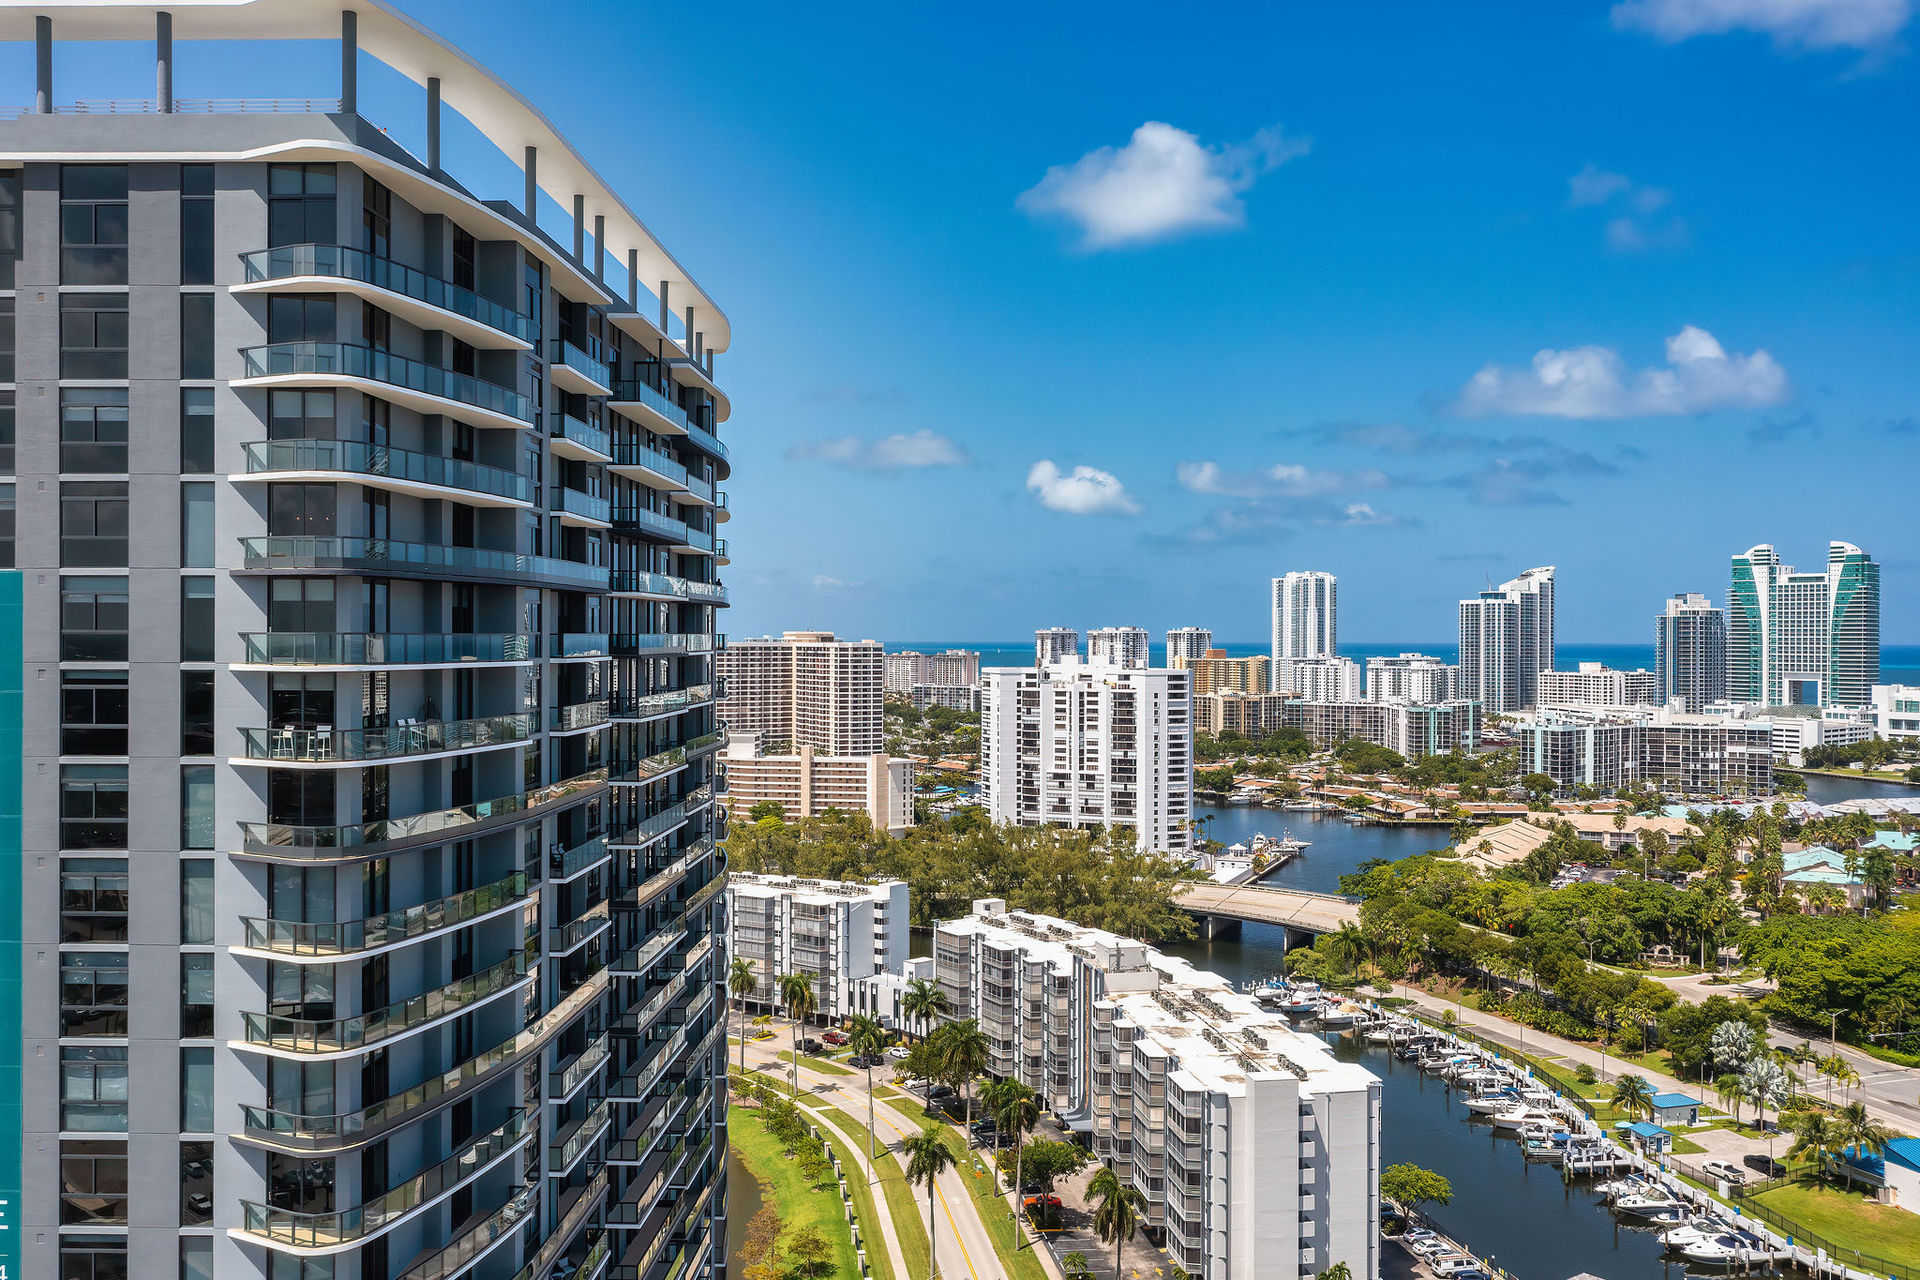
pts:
pixel 1899 663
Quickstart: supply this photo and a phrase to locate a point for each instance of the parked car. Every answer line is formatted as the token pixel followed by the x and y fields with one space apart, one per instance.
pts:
pixel 1453 1265
pixel 864 1060
pixel 939 1091
pixel 810 1045
pixel 1765 1166
pixel 913 1083
pixel 834 1037
pixel 1724 1171
pixel 899 1053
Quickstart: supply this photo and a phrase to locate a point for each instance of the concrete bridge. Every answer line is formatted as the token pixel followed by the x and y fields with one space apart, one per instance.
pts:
pixel 1225 906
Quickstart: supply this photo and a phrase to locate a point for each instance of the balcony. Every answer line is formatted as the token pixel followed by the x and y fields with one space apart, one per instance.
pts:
pixel 576 371
pixel 296 939
pixel 652 523
pixel 655 463
pixel 662 763
pixel 700 491
pixel 281 841
pixel 563 1081
pixel 564 939
pixel 565 864
pixel 649 406
pixel 721 512
pixel 388 649
pixel 651 706
pixel 581 440
pixel 581 644
pixel 573 1214
pixel 661 586
pixel 358 746
pixel 583 510
pixel 720 551
pixel 650 829
pixel 581 716
pixel 696 539
pixel 708 442
pixel 423 300
pixel 329 1232
pixel 424 475
pixel 423 387
pixel 645 644
pixel 589 1129
pixel 501 1224
pixel 385 557
pixel 353 1034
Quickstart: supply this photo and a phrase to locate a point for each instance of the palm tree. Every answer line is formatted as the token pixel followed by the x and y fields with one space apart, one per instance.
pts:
pixel 1815 1134
pixel 964 1052
pixel 923 1002
pixel 867 1038
pixel 796 993
pixel 1633 1095
pixel 1766 1084
pixel 1075 1264
pixel 928 1156
pixel 1732 1094
pixel 1016 1112
pixel 1118 1214
pixel 1860 1134
pixel 1338 1271
pixel 740 984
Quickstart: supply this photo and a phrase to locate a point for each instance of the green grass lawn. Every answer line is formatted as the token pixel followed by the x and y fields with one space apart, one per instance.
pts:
pixel 905 1205
pixel 818 1064
pixel 1850 1219
pixel 798 1202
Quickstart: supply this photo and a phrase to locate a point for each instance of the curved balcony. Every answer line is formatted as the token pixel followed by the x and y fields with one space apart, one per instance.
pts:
pixel 329 1232
pixel 643 644
pixel 578 1138
pixel 661 586
pixel 480 1240
pixel 566 864
pixel 700 490
pixel 581 715
pixel 704 440
pixel 652 523
pixel 281 841
pixel 673 702
pixel 720 551
pixel 424 475
pixel 584 510
pixel 660 764
pixel 327 1036
pixel 649 829
pixel 423 300
pixel 326 940
pixel 580 440
pixel 562 1081
pixel 385 557
pixel 649 406
pixel 697 540
pixel 385 649
pixel 721 512
pixel 423 387
pixel 564 939
pixel 576 371
pixel 359 746
pixel 652 462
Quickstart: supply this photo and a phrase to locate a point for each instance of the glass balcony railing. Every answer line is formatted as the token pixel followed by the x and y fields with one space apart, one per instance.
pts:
pixel 582 644
pixel 586 506
pixel 638 391
pixel 455 1258
pixel 354 745
pixel 642 706
pixel 565 864
pixel 564 938
pixel 661 763
pixel 594 371
pixel 354 457
pixel 335 1035
pixel 350 360
pixel 643 520
pixel 302 938
pixel 579 431
pixel 569 1149
pixel 288 841
pixel 324 1230
pixel 581 715
pixel 701 487
pixel 383 555
pixel 642 582
pixel 345 263
pixel 627 644
pixel 640 455
pixel 705 439
pixel 568 1078
pixel 346 648
pixel 546 1263
pixel 652 828
pixel 701 539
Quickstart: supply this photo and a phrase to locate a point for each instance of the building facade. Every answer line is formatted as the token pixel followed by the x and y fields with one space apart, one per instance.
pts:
pixel 836 931
pixel 1051 644
pixel 1120 647
pixel 1803 639
pixel 1896 712
pixel 386 748
pixel 1082 745
pixel 1412 729
pixel 1215 672
pixel 806 688
pixel 1189 643
pixel 1318 679
pixel 1595 684
pixel 806 782
pixel 1255 1149
pixel 1252 715
pixel 901 671
pixel 1305 615
pixel 1507 640
pixel 954 697
pixel 1687 755
pixel 1690 652
pixel 1411 677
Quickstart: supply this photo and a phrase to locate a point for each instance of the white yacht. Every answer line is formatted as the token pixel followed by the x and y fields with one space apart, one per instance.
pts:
pixel 1516 1117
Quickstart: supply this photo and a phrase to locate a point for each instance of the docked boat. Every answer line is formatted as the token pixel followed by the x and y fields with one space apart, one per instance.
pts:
pixel 1271 992
pixel 1302 1001
pixel 1648 1204
pixel 1551 1149
pixel 1492 1101
pixel 1693 1231
pixel 1516 1117
pixel 1379 1033
pixel 1338 1015
pixel 1730 1249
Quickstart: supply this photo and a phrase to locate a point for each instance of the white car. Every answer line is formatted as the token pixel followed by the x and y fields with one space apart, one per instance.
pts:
pixel 1724 1171
pixel 899 1053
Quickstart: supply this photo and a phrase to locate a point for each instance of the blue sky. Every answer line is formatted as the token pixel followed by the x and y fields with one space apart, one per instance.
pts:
pixel 1278 278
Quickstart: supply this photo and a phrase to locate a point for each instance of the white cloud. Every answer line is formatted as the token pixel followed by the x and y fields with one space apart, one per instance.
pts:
pixel 1285 479
pixel 1163 183
pixel 1638 224
pixel 1813 24
pixel 1361 513
pixel 923 448
pixel 1085 491
pixel 822 582
pixel 1595 186
pixel 1593 382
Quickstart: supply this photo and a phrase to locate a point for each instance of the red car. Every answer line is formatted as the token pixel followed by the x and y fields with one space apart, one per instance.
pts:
pixel 834 1037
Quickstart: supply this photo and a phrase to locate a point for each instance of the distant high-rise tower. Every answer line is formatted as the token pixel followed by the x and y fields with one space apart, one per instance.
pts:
pixel 1304 608
pixel 1190 643
pixel 1690 651
pixel 1506 641
pixel 1122 646
pixel 1804 639
pixel 1050 644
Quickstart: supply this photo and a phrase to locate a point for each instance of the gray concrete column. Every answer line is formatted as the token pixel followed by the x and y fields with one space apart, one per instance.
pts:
pixel 433 123
pixel 43 65
pixel 666 308
pixel 698 340
pixel 532 168
pixel 349 61
pixel 163 60
pixel 688 335
pixel 633 279
pixel 600 246
pixel 579 229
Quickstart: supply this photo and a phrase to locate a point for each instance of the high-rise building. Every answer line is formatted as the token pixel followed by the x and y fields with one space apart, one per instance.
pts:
pixel 1411 677
pixel 1249 713
pixel 952 666
pixel 805 688
pixel 387 752
pixel 1804 639
pixel 1690 652
pixel 1506 641
pixel 1254 1149
pixel 1411 729
pixel 1120 646
pixel 835 931
pixel 1671 752
pixel 1050 644
pixel 1305 615
pixel 1189 643
pixel 1216 672
pixel 1086 745
pixel 899 672
pixel 1318 679
pixel 1595 684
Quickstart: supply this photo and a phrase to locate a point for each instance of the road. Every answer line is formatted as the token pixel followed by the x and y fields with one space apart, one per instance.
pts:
pixel 1310 912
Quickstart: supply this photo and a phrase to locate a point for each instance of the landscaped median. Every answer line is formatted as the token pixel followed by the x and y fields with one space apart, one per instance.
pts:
pixel 804 1211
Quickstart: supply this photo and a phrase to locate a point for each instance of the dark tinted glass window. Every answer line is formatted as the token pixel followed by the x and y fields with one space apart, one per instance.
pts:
pixel 196 620
pixel 300 206
pixel 196 224
pixel 196 713
pixel 93 619
pixel 93 993
pixel 196 335
pixel 93 429
pixel 93 1183
pixel 93 713
pixel 300 415
pixel 299 318
pixel 93 900
pixel 9 230
pixel 300 604
pixel 300 510
pixel 6 331
pixel 93 806
pixel 196 430
pixel 93 224
pixel 93 524
pixel 93 335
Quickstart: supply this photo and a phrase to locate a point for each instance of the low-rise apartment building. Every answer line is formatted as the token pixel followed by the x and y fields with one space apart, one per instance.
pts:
pixel 1257 1151
pixel 1215 672
pixel 1318 679
pixel 954 697
pixel 1674 752
pixel 808 782
pixel 1595 684
pixel 1411 677
pixel 1413 730
pixel 1253 715
pixel 840 932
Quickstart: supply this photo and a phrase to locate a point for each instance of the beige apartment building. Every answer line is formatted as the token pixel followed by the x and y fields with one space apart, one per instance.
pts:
pixel 807 783
pixel 1253 715
pixel 1215 672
